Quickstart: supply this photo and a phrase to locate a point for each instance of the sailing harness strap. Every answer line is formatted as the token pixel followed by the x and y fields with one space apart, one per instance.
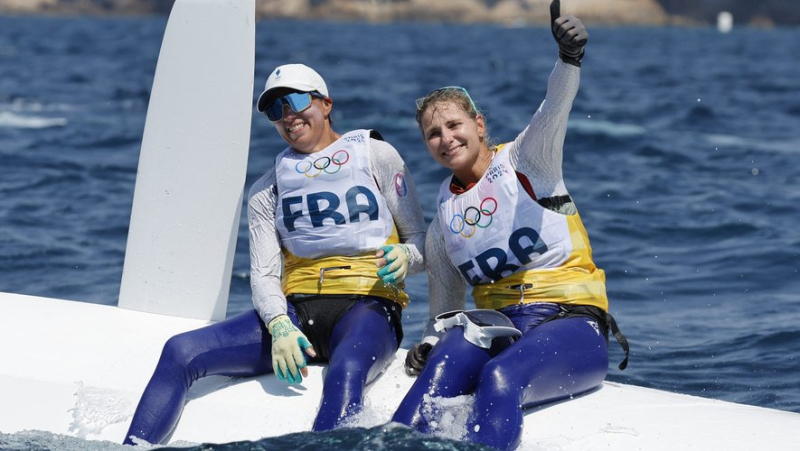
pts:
pixel 604 318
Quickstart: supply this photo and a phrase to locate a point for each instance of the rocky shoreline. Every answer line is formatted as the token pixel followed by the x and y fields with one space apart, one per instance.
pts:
pixel 508 12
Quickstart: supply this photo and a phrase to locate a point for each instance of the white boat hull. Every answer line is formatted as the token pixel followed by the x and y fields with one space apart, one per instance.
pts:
pixel 78 369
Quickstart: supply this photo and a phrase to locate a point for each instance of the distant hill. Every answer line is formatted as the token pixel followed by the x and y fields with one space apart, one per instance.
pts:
pixel 85 6
pixel 514 12
pixel 753 12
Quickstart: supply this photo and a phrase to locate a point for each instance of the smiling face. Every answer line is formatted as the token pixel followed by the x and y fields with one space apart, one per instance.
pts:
pixel 310 130
pixel 456 140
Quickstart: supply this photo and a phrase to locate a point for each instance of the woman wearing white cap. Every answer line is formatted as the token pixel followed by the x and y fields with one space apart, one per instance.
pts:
pixel 507 227
pixel 327 265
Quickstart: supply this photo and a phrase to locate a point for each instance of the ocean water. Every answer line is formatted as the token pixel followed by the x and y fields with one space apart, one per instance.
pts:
pixel 683 156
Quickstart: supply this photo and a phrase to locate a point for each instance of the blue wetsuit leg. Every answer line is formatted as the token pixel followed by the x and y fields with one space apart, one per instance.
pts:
pixel 363 342
pixel 238 346
pixel 451 370
pixel 553 361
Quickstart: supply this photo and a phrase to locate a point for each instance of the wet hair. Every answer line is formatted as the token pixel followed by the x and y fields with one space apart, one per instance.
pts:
pixel 451 94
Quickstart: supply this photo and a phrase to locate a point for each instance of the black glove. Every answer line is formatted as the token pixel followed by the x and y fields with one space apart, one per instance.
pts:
pixel 416 358
pixel 570 34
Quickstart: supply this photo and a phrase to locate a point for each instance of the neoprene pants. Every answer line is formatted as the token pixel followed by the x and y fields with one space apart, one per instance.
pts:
pixel 552 361
pixel 362 344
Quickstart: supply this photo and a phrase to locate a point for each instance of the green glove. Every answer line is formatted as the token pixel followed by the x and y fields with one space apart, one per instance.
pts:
pixel 288 344
pixel 395 268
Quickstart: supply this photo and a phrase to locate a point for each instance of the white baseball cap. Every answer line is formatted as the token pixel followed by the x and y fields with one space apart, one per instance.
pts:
pixel 293 76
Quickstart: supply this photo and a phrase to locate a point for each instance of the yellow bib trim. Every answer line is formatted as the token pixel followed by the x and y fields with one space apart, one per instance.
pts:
pixel 339 274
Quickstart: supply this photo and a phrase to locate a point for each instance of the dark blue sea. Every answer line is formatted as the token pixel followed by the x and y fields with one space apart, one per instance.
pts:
pixel 683 156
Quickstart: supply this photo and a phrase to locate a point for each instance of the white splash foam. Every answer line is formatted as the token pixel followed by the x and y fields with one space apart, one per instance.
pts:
pixel 371 415
pixel 448 417
pixel 97 408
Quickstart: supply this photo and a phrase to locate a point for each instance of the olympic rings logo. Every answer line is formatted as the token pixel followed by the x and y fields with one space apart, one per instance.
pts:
pixel 328 165
pixel 467 224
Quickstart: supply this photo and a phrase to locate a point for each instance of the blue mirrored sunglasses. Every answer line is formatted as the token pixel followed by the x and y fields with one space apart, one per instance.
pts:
pixel 421 101
pixel 297 101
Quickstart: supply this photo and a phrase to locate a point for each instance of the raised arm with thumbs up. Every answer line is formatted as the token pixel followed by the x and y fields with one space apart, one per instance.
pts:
pixel 563 350
pixel 570 34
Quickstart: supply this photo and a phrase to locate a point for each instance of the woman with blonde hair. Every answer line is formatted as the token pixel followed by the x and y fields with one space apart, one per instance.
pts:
pixel 507 227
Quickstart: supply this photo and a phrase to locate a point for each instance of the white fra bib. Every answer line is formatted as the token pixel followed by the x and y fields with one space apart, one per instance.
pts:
pixel 328 201
pixel 496 229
